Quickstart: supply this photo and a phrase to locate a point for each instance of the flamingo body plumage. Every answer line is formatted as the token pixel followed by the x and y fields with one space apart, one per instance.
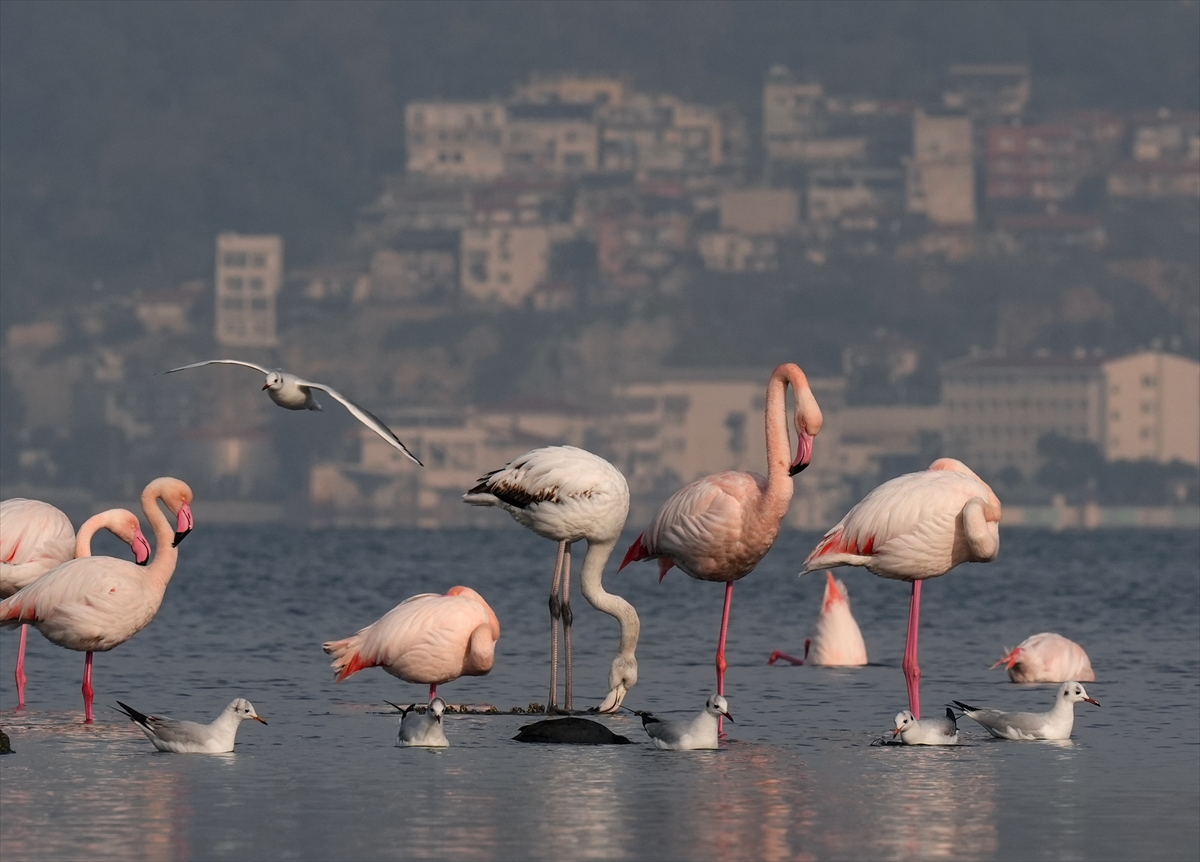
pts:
pixel 1048 657
pixel 719 527
pixel 428 638
pixel 568 494
pixel 836 640
pixel 916 526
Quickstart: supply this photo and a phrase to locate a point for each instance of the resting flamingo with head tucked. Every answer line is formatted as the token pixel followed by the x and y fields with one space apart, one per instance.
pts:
pixel 36 538
pixel 93 604
pixel 916 526
pixel 568 495
pixel 1048 657
pixel 718 528
pixel 428 639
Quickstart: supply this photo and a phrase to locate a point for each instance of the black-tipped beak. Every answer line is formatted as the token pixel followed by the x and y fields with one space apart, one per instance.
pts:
pixel 265 386
pixel 179 537
pixel 183 524
pixel 1092 702
pixel 730 717
pixel 796 468
pixel 259 718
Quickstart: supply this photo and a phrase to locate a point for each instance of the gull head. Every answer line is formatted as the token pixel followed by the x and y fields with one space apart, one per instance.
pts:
pixel 274 381
pixel 1073 692
pixel 437 706
pixel 717 705
pixel 244 710
pixel 904 719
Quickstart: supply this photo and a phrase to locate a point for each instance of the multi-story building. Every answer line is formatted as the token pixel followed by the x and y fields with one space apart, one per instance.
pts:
pixel 1152 409
pixel 504 263
pixel 997 408
pixel 864 196
pixel 554 138
pixel 249 273
pixel 571 89
pixel 463 140
pixel 1035 165
pixel 648 135
pixel 990 93
pixel 941 173
pixel 728 251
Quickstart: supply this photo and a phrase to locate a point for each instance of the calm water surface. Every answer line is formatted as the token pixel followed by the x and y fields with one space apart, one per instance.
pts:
pixel 799 778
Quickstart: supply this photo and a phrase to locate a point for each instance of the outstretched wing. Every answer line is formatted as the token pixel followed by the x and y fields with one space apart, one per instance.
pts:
pixel 219 362
pixel 365 417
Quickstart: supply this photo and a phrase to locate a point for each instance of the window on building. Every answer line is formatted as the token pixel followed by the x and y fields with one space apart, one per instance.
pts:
pixel 234 259
pixel 256 285
pixel 234 285
pixel 258 261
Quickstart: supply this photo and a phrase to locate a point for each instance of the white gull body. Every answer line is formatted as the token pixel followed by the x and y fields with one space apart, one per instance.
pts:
pixel 295 393
pixel 1055 723
pixel 702 732
pixel 191 737
pixel 1048 657
pixel 942 730
pixel 424 729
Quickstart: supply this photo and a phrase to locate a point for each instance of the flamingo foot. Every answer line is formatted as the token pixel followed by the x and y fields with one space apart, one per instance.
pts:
pixel 777 655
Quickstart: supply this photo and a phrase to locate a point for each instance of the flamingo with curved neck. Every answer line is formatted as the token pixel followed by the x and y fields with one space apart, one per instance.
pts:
pixel 93 604
pixel 719 527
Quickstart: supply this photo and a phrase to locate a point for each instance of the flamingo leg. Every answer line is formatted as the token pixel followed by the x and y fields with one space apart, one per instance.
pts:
pixel 567 617
pixel 555 613
pixel 912 671
pixel 777 655
pixel 721 652
pixel 20 674
pixel 432 691
pixel 87 688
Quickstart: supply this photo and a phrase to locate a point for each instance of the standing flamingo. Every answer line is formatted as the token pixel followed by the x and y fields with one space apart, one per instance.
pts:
pixel 718 528
pixel 567 494
pixel 916 526
pixel 1048 657
pixel 428 639
pixel 93 604
pixel 836 640
pixel 36 538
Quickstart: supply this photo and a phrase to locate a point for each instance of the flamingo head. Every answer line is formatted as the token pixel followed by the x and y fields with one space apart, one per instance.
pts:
pixel 141 548
pixel 808 425
pixel 274 381
pixel 621 677
pixel 177 496
pixel 904 718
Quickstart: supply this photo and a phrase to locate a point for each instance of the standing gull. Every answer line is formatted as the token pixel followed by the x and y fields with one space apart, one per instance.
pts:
pixel 702 732
pixel 916 526
pixel 191 737
pixel 1055 723
pixel 569 495
pixel 294 393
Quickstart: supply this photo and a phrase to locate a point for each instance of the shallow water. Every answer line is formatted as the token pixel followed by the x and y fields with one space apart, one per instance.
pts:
pixel 798 779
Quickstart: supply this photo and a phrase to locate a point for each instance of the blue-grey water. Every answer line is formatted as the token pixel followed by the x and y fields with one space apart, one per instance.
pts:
pixel 798 778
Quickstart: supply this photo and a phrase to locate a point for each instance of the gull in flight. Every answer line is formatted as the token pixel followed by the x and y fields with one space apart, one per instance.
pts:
pixel 191 737
pixel 1055 723
pixel 700 732
pixel 295 393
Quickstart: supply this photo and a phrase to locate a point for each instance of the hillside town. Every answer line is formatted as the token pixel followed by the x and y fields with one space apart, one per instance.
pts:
pixel 535 276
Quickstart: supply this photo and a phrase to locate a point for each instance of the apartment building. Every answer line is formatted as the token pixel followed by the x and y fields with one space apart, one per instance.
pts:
pixel 504 263
pixel 1031 164
pixel 249 273
pixel 463 140
pixel 1152 409
pixel 941 173
pixel 555 138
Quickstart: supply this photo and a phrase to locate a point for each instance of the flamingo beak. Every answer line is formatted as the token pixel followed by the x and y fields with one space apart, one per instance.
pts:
pixel 1092 702
pixel 803 453
pixel 141 548
pixel 613 702
pixel 183 524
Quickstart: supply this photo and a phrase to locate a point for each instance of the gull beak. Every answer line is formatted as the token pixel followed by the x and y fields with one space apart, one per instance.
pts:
pixel 265 386
pixel 803 453
pixel 1092 702
pixel 896 732
pixel 183 524
pixel 727 715
pixel 259 718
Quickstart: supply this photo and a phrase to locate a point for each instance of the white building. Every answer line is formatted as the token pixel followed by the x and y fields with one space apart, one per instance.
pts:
pixel 941 174
pixel 504 263
pixel 1153 408
pixel 455 139
pixel 249 273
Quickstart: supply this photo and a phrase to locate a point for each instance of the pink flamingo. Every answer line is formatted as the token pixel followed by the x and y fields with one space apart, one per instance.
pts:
pixel 719 527
pixel 428 639
pixel 36 538
pixel 1048 657
pixel 916 526
pixel 836 640
pixel 92 604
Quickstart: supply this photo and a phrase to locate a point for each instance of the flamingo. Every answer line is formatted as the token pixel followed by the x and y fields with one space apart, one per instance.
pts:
pixel 568 494
pixel 295 393
pixel 36 538
pixel 1048 657
pixel 93 604
pixel 719 527
pixel 836 640
pixel 916 526
pixel 427 638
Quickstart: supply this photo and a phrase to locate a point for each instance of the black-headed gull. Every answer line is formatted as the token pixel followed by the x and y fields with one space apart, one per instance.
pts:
pixel 699 733
pixel 927 731
pixel 295 393
pixel 423 729
pixel 190 737
pixel 1056 723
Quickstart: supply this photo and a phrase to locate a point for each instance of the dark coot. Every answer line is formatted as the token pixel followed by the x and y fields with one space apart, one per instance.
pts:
pixel 569 731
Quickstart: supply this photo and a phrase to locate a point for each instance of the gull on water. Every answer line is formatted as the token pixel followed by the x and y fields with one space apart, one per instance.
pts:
pixel 699 733
pixel 1055 723
pixel 191 737
pixel 295 393
pixel 423 729
pixel 927 731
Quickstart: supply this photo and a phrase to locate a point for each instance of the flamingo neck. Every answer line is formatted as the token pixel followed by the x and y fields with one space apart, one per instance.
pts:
pixel 779 482
pixel 592 586
pixel 162 567
pixel 109 520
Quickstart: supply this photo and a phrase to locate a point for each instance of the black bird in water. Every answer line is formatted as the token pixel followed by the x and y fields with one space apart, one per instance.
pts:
pixel 569 731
